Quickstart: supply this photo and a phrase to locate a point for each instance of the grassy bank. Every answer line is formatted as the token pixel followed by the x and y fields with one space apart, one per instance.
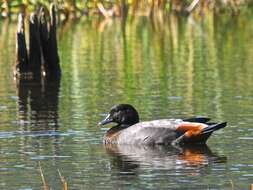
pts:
pixel 71 9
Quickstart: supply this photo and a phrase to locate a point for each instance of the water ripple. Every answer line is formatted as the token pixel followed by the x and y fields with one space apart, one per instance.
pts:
pixel 14 134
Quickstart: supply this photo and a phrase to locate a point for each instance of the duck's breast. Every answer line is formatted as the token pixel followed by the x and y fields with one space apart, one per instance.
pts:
pixel 150 132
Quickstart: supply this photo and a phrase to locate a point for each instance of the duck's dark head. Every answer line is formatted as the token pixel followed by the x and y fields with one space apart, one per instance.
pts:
pixel 122 114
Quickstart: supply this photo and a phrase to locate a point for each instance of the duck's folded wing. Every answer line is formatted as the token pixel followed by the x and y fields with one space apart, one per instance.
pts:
pixel 168 130
pixel 149 133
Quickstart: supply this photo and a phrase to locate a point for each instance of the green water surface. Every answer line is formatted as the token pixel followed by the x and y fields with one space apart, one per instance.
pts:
pixel 172 69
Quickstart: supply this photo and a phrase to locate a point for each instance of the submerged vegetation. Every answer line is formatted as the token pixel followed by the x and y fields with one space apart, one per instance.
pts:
pixel 74 9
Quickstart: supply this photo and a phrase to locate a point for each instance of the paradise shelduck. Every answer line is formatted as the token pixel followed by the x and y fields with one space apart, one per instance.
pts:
pixel 157 132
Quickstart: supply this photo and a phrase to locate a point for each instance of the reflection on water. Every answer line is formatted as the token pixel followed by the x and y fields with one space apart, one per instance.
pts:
pixel 129 157
pixel 178 68
pixel 38 104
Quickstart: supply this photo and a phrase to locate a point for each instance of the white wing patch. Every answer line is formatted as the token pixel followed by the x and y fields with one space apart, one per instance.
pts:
pixel 162 123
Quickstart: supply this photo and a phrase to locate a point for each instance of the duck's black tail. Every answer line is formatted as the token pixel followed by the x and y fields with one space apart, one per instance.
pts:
pixel 199 119
pixel 213 127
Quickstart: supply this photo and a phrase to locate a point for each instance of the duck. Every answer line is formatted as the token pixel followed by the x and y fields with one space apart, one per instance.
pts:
pixel 129 129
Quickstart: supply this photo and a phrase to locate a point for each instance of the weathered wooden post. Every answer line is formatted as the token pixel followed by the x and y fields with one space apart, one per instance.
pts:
pixel 21 50
pixel 53 67
pixel 35 53
pixel 43 29
pixel 42 59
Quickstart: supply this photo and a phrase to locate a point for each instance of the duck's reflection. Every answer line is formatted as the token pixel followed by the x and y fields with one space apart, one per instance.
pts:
pixel 38 103
pixel 127 158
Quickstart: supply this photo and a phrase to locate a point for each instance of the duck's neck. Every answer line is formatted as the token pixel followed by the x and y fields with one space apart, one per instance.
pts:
pixel 116 129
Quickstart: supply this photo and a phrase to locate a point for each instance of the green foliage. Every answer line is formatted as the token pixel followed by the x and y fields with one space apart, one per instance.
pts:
pixel 9 7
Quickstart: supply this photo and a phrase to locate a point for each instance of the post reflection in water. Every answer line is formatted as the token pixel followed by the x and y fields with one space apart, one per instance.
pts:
pixel 127 158
pixel 38 104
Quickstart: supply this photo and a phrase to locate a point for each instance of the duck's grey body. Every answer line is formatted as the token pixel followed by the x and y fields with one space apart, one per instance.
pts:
pixel 165 131
pixel 148 133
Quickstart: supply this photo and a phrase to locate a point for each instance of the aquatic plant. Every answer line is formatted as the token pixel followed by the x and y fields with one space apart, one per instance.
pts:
pixel 77 8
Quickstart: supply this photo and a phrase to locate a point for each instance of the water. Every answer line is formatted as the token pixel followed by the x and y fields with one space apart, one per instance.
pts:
pixel 182 68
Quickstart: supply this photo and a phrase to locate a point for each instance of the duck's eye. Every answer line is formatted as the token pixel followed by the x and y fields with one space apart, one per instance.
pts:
pixel 117 116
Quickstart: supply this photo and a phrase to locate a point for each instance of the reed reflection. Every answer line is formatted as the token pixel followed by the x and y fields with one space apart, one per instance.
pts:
pixel 38 103
pixel 127 158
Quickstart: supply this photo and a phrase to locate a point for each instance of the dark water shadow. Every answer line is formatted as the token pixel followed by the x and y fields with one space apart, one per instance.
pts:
pixel 128 158
pixel 38 102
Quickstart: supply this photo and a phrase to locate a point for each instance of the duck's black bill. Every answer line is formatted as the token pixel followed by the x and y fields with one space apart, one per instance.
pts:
pixel 106 120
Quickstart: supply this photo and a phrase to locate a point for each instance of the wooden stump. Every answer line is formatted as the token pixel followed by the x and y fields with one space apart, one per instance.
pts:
pixel 43 29
pixel 42 59
pixel 35 54
pixel 53 67
pixel 21 50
